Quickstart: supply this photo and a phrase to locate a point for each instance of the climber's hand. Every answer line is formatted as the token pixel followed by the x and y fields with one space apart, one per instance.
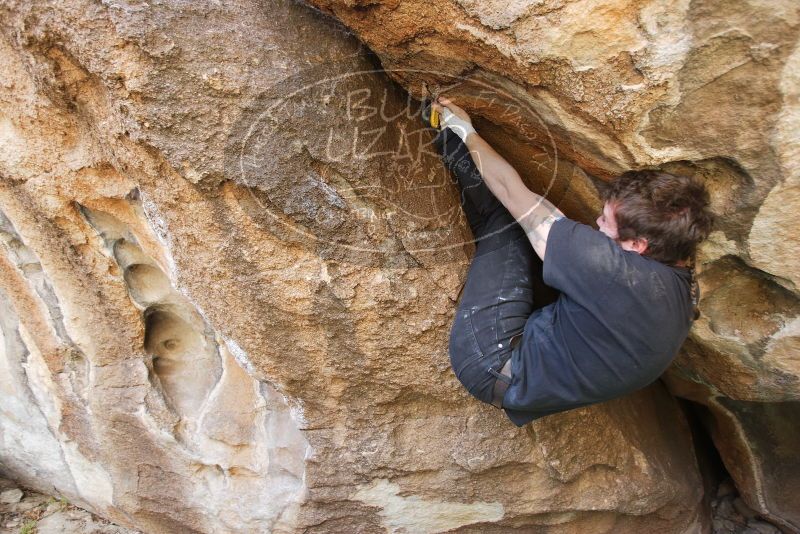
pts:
pixel 454 117
pixel 443 102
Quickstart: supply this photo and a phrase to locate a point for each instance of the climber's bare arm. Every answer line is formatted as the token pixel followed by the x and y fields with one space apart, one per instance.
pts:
pixel 534 213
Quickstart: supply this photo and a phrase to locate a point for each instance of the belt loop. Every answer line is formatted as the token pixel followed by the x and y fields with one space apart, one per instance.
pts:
pixel 499 376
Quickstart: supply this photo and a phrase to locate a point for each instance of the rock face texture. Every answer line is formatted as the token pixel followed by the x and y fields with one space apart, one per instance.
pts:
pixel 230 259
pixel 706 87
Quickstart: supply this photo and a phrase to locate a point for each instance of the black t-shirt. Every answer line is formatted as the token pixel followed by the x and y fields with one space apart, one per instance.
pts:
pixel 618 323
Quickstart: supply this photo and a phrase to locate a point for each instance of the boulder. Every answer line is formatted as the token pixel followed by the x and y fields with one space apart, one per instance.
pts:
pixel 230 257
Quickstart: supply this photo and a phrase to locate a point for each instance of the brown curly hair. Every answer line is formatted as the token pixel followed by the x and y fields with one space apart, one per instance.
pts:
pixel 671 212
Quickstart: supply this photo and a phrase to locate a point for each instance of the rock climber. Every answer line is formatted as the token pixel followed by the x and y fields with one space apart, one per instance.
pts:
pixel 627 294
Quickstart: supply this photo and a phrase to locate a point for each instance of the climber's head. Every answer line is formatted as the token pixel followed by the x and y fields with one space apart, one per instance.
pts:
pixel 657 214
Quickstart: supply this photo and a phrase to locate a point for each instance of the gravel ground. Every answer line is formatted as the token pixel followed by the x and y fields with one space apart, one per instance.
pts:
pixel 23 511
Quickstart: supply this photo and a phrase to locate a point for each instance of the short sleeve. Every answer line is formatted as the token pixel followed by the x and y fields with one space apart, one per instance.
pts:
pixel 580 261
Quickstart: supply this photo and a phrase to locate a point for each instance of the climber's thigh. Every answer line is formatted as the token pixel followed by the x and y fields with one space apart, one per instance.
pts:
pixel 495 304
pixel 468 361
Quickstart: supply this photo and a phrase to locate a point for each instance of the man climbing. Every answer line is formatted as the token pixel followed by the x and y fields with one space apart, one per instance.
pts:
pixel 627 292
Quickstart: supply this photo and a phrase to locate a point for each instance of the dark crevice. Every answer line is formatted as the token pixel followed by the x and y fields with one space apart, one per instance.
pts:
pixel 721 498
pixel 712 469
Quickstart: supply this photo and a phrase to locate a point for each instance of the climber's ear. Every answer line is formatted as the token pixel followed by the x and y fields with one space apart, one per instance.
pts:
pixel 639 245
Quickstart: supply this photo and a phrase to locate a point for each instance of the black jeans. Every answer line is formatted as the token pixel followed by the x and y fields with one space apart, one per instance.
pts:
pixel 497 298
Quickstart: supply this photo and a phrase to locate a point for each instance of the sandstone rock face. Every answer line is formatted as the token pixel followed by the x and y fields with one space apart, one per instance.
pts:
pixel 230 258
pixel 707 87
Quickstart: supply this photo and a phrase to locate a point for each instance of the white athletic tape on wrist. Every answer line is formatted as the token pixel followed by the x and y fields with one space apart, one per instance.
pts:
pixel 458 125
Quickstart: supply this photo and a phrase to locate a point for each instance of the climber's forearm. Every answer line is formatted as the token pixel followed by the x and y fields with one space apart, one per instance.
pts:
pixel 495 170
pixel 502 179
pixel 533 212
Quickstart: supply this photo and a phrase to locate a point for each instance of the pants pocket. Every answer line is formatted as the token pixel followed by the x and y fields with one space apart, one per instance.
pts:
pixel 463 347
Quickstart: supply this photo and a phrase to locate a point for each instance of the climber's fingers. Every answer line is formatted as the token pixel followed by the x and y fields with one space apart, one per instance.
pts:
pixel 459 112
